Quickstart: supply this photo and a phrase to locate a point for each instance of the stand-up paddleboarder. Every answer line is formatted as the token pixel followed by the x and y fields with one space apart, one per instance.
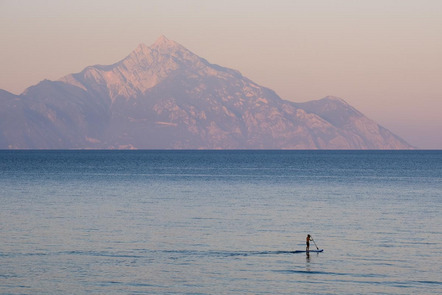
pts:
pixel 307 242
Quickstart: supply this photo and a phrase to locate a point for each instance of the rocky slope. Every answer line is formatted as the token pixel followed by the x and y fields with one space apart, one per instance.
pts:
pixel 166 97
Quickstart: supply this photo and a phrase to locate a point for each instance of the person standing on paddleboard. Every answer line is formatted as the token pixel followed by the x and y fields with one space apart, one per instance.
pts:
pixel 307 241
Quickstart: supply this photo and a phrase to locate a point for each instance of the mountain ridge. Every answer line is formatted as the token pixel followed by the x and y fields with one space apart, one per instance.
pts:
pixel 166 97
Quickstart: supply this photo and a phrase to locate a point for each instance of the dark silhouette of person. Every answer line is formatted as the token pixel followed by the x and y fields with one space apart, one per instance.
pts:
pixel 307 242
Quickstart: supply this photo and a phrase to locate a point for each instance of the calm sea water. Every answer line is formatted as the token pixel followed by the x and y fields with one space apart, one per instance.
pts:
pixel 220 222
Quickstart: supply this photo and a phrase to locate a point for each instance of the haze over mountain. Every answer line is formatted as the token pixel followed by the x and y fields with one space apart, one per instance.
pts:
pixel 166 97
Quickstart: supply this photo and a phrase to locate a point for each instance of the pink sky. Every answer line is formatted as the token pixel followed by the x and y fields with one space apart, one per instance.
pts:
pixel 382 57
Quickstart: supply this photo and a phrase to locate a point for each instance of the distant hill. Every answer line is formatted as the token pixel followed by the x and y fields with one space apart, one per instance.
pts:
pixel 166 97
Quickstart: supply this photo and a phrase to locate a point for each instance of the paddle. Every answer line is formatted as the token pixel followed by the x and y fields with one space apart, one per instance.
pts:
pixel 315 244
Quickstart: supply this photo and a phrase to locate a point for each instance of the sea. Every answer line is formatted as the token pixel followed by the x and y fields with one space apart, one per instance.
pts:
pixel 220 222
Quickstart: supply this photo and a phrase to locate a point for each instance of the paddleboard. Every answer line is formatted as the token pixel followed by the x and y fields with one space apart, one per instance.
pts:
pixel 310 251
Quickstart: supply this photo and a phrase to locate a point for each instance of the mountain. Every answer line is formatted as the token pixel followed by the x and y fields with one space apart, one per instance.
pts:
pixel 166 97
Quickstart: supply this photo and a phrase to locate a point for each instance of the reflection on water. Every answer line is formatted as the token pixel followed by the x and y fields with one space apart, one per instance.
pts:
pixel 307 262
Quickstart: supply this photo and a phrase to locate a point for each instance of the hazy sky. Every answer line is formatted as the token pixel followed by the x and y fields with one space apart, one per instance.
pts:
pixel 383 57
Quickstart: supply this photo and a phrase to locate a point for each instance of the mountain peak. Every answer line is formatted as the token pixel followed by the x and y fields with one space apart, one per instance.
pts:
pixel 164 45
pixel 162 40
pixel 142 69
pixel 331 98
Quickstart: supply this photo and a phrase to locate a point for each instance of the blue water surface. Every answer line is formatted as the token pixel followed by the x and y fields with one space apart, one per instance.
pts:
pixel 220 222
